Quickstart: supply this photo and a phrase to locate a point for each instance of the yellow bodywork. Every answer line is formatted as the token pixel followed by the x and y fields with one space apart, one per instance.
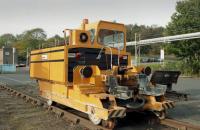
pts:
pixel 50 67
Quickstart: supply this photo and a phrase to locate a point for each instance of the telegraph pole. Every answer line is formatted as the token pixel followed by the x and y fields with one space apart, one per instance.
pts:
pixel 27 56
pixel 139 50
pixel 135 49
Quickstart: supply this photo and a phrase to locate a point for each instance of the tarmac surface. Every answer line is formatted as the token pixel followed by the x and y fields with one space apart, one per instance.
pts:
pixel 188 111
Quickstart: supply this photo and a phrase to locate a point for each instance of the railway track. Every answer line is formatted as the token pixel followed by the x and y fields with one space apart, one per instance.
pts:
pixel 74 119
pixel 179 124
pixel 71 118
pixel 15 114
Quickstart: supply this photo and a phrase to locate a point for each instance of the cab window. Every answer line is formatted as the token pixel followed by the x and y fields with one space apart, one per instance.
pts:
pixel 111 38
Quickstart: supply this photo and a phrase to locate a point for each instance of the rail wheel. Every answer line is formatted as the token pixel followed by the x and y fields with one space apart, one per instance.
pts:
pixel 161 114
pixel 50 102
pixel 109 123
pixel 94 119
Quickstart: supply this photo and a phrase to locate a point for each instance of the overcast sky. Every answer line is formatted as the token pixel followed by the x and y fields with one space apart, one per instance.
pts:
pixel 53 16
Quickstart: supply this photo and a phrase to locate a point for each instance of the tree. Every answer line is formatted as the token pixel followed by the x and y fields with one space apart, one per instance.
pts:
pixel 186 19
pixel 32 39
pixel 7 39
pixel 145 32
pixel 54 41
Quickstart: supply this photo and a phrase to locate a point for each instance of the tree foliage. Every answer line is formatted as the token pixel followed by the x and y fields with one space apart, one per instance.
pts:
pixel 145 32
pixel 54 41
pixel 30 39
pixel 7 39
pixel 186 19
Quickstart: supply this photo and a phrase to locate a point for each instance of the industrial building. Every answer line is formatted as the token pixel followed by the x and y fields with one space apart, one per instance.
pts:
pixel 8 55
pixel 8 60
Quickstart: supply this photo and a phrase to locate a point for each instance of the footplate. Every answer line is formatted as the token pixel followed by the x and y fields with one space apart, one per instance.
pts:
pixel 168 105
pixel 117 113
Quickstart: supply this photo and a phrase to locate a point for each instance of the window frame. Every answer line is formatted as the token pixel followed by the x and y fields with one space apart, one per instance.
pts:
pixel 100 43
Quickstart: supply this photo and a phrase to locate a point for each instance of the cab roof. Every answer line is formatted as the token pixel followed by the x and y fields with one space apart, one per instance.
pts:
pixel 105 25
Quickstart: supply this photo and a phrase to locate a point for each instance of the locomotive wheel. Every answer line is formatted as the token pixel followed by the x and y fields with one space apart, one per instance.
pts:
pixel 161 114
pixel 50 102
pixel 94 119
pixel 110 124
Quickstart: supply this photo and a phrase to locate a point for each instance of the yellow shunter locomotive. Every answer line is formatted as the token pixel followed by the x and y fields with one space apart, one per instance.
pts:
pixel 92 73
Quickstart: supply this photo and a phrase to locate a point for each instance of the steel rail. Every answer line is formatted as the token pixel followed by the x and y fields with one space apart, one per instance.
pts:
pixel 67 116
pixel 180 125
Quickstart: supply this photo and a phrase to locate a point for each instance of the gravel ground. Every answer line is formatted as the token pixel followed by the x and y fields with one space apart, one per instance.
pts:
pixel 17 115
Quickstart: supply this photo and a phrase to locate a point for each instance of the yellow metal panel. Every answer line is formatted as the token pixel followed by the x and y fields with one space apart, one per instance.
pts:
pixel 59 90
pixel 40 57
pixel 45 86
pixel 56 55
pixel 35 57
pixel 42 61
pixel 57 71
pixel 57 48
pixel 40 70
pixel 40 51
pixel 45 89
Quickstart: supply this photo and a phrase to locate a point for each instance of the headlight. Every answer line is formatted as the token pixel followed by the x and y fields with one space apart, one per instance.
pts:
pixel 147 70
pixel 83 37
pixel 87 72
